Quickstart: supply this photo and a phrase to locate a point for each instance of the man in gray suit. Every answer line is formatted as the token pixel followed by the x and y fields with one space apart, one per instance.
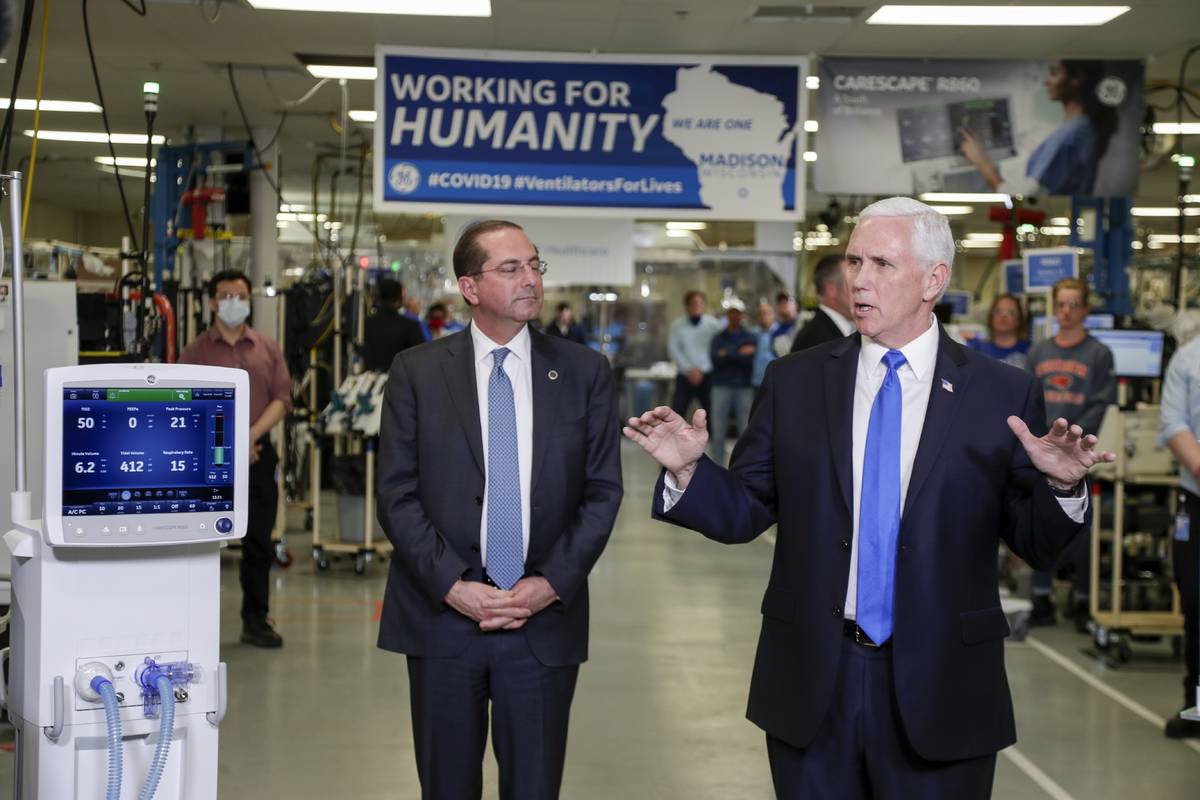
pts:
pixel 499 482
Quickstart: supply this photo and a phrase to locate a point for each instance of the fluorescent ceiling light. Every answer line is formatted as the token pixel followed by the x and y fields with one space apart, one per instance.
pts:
pixel 810 156
pixel 94 137
pixel 812 82
pixel 953 211
pixel 75 106
pixel 292 207
pixel 287 216
pixel 686 226
pixel 125 161
pixel 426 8
pixel 1176 128
pixel 339 71
pixel 128 172
pixel 366 115
pixel 811 125
pixel 1039 16
pixel 986 237
pixel 1136 245
pixel 1060 221
pixel 680 234
pixel 1162 211
pixel 1056 230
pixel 979 244
pixel 1172 238
pixel 964 197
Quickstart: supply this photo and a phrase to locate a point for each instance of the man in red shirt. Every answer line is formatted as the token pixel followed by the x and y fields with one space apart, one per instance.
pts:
pixel 231 342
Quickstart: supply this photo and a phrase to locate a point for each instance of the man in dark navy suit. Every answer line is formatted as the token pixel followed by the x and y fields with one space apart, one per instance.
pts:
pixel 831 320
pixel 499 482
pixel 880 665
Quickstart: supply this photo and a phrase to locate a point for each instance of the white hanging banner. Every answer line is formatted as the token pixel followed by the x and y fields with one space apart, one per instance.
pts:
pixel 580 252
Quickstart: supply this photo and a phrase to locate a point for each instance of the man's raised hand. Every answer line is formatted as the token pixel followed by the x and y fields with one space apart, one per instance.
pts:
pixel 1064 455
pixel 670 440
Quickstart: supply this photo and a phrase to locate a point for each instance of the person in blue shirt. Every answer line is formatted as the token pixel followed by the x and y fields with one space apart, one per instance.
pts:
pixel 1178 430
pixel 733 351
pixel 1007 338
pixel 1065 162
pixel 689 345
pixel 787 318
pixel 412 310
pixel 765 354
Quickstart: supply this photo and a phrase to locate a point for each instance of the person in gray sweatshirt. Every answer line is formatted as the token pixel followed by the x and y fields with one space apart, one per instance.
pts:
pixel 1076 371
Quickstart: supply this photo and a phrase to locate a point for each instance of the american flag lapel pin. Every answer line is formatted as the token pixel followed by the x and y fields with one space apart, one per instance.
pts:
pixel 948 386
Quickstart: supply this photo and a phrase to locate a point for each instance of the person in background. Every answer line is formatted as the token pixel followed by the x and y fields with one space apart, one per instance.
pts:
pixel 786 316
pixel 1179 430
pixel 412 310
pixel 689 345
pixel 1007 338
pixel 441 322
pixel 733 351
pixel 764 354
pixel 231 342
pixel 1079 383
pixel 564 325
pixel 387 331
pixel 831 321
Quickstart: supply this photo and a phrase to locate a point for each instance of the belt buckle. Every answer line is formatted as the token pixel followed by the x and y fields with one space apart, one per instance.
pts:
pixel 860 637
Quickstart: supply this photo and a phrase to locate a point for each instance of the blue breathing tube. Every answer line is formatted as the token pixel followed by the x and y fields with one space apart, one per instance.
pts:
pixel 112 718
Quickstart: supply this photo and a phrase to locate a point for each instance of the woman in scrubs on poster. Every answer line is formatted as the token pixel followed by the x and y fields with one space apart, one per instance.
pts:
pixel 1065 162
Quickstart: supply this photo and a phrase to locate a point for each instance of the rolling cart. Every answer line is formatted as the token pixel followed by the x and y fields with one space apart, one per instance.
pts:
pixel 1136 597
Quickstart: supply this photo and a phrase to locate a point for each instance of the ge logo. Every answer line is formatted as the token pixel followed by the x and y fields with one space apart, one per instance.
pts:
pixel 404 178
pixel 1111 91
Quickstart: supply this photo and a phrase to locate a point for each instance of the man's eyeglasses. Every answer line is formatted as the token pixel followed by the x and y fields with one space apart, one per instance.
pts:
pixel 510 269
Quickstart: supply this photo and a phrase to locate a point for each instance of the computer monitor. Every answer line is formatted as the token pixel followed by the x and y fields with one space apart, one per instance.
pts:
pixel 1136 354
pixel 145 454
pixel 934 131
pixel 959 301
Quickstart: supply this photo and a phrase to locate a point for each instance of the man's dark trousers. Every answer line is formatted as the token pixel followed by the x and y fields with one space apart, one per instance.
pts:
pixel 258 551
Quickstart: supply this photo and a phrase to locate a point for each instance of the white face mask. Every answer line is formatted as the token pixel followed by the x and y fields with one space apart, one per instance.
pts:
pixel 233 311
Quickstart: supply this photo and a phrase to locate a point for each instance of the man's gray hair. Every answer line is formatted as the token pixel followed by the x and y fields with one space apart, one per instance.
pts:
pixel 932 241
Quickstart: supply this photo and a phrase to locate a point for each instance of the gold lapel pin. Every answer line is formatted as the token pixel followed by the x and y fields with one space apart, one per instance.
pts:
pixel 552 374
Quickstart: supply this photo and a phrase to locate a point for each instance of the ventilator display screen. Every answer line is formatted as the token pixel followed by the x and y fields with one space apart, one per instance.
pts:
pixel 147 451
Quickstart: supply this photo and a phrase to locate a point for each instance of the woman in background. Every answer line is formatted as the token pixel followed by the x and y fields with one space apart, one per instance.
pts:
pixel 1065 162
pixel 1007 335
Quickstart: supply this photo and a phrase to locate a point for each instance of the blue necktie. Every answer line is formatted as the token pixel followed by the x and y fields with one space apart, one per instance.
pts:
pixel 505 543
pixel 879 511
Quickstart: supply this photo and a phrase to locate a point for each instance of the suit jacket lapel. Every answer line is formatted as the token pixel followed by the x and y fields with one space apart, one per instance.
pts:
pixel 545 407
pixel 840 372
pixel 950 378
pixel 459 372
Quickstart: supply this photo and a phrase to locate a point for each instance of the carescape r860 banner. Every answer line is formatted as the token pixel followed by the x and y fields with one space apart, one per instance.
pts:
pixel 536 133
pixel 907 126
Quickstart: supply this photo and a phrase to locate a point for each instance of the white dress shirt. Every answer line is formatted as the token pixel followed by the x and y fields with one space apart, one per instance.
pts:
pixel 916 381
pixel 844 325
pixel 520 375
